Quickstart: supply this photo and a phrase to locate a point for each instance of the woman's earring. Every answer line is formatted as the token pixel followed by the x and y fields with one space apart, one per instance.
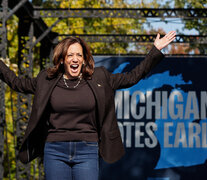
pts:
pixel 61 62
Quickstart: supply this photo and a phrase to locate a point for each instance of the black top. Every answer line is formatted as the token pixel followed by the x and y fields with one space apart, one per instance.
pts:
pixel 73 114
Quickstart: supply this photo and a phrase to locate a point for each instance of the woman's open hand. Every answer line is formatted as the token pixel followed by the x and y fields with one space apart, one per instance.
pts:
pixel 160 43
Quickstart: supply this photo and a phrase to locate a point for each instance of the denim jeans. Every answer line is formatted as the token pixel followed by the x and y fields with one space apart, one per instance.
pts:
pixel 71 160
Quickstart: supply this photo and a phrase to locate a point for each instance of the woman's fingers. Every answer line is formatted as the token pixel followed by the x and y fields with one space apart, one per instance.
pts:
pixel 158 36
pixel 170 35
pixel 172 39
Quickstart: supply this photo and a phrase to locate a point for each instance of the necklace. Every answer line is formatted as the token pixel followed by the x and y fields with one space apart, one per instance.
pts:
pixel 79 77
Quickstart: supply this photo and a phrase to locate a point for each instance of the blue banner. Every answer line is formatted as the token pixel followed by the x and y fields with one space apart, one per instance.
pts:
pixel 162 120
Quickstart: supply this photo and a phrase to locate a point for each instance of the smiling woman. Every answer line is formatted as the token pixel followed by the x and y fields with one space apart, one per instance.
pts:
pixel 73 61
pixel 72 56
pixel 73 118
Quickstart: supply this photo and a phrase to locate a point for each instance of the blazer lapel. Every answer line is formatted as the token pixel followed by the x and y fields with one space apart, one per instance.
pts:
pixel 45 94
pixel 40 103
pixel 98 90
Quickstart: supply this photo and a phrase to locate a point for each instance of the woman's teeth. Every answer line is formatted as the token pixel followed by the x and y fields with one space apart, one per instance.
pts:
pixel 74 66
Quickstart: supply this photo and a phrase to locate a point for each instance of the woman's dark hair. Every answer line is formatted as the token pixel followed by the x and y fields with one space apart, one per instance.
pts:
pixel 60 53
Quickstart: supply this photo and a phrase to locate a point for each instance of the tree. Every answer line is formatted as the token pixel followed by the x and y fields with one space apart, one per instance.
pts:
pixel 198 24
pixel 101 25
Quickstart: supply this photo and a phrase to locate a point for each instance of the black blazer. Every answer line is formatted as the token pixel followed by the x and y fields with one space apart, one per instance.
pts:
pixel 103 85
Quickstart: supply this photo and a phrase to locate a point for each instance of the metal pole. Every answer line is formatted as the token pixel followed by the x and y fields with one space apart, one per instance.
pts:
pixel 2 86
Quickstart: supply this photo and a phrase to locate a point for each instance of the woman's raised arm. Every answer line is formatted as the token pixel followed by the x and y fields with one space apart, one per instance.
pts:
pixel 126 80
pixel 23 85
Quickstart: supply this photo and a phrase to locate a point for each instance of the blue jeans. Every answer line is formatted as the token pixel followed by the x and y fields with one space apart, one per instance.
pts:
pixel 71 160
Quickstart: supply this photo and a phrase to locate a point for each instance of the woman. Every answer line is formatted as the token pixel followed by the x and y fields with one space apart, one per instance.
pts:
pixel 73 114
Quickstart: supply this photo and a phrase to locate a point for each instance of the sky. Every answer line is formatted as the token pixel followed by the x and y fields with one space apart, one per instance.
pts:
pixel 173 24
pixel 156 23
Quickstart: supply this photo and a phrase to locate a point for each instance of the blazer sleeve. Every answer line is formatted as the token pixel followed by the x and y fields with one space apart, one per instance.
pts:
pixel 128 79
pixel 23 85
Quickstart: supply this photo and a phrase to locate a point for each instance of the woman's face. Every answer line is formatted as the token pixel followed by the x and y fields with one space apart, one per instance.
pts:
pixel 73 60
